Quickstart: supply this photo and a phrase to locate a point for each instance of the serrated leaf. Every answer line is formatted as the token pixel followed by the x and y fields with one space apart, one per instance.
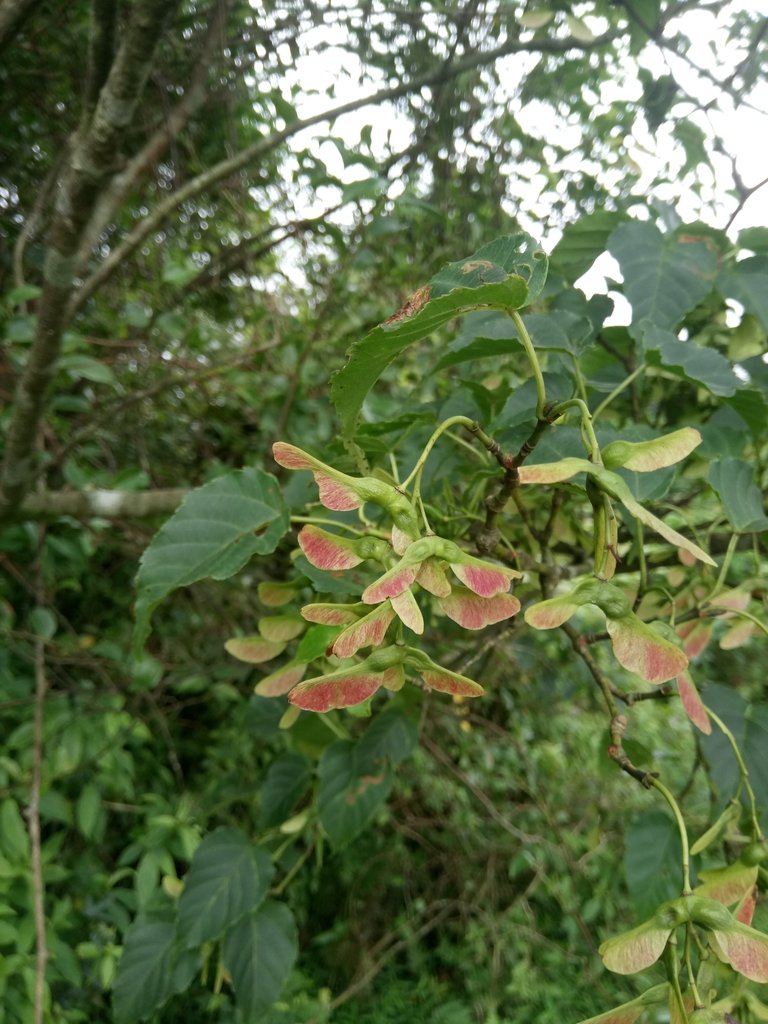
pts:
pixel 144 978
pixel 664 276
pixel 742 500
pixel 349 793
pixel 702 365
pixel 227 879
pixel 259 952
pixel 506 273
pixel 213 533
pixel 287 781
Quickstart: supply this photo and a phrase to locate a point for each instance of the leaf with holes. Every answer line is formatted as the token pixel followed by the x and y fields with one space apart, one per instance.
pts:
pixel 506 273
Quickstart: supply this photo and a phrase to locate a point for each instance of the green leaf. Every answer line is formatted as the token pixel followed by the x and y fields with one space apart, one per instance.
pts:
pixel 560 330
pixel 755 239
pixel 259 953
pixel 582 242
pixel 741 498
pixel 390 736
pixel 747 282
pixel 228 879
pixel 482 336
pixel 89 812
pixel 749 725
pixel 628 1013
pixel 214 532
pixel 43 622
pixel 507 272
pixel 23 293
pixel 136 314
pixel 692 139
pixel 145 976
pixel 14 839
pixel 85 368
pixel 664 276
pixel 702 365
pixel 315 642
pixel 350 793
pixel 287 781
pixel 652 861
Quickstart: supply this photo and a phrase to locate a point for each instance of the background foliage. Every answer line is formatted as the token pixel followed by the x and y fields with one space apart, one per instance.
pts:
pixel 191 237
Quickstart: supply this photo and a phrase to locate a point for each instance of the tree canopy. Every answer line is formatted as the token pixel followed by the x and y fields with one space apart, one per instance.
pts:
pixel 383 607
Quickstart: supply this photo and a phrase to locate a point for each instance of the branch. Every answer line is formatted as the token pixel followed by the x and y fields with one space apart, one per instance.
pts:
pixel 109 504
pixel 139 165
pixel 88 168
pixel 33 813
pixel 250 154
pixel 13 14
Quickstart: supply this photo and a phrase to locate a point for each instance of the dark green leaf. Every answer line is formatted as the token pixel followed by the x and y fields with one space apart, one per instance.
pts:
pixel 214 532
pixel 259 953
pixel 582 242
pixel 755 239
pixel 350 793
pixel 390 736
pixel 228 878
pixel 482 336
pixel 506 273
pixel 652 861
pixel 664 276
pixel 741 497
pixel 145 973
pixel 747 282
pixel 287 781
pixel 703 365
pixel 560 330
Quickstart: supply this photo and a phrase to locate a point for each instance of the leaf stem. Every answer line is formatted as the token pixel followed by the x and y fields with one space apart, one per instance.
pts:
pixel 720 581
pixel 533 359
pixel 686 858
pixel 586 425
pixel 671 964
pixel 452 421
pixel 617 391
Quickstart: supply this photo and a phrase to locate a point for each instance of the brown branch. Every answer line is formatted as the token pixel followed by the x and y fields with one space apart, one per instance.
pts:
pixel 83 178
pixel 250 154
pixel 33 811
pixel 107 504
pixel 13 14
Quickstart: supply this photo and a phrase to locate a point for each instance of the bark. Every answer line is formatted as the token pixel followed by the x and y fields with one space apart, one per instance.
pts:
pixel 195 96
pixel 105 504
pixel 83 178
pixel 13 13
